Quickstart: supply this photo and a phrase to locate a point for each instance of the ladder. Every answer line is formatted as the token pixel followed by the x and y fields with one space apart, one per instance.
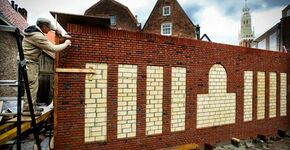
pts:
pixel 22 74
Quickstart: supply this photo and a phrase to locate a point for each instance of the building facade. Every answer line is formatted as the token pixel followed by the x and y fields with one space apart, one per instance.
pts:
pixel 246 35
pixel 278 37
pixel 169 19
pixel 120 16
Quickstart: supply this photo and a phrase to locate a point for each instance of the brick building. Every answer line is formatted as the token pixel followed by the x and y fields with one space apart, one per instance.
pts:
pixel 169 19
pixel 157 91
pixel 278 37
pixel 120 16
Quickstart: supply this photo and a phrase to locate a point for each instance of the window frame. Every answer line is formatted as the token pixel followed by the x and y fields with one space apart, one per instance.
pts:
pixel 288 13
pixel 113 17
pixel 273 42
pixel 163 10
pixel 170 29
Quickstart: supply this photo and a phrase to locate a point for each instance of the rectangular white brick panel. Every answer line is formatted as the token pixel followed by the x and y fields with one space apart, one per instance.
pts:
pixel 283 94
pixel 178 98
pixel 127 100
pixel 154 100
pixel 217 107
pixel 261 95
pixel 96 103
pixel 248 95
pixel 272 94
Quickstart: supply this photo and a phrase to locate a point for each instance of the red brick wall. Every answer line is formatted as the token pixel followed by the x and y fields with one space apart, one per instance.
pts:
pixel 94 45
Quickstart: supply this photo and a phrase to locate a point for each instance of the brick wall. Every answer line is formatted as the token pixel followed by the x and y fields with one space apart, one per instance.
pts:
pixel 151 92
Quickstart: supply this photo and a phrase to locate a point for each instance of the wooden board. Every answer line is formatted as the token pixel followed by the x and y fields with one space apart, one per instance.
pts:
pixel 183 147
pixel 73 70
pixel 5 127
pixel 28 118
pixel 5 137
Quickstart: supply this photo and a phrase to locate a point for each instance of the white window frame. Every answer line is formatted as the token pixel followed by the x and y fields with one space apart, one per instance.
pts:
pixel 170 29
pixel 169 11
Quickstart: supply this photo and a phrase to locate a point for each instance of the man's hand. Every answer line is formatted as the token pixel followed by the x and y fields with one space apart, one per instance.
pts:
pixel 58 32
pixel 68 42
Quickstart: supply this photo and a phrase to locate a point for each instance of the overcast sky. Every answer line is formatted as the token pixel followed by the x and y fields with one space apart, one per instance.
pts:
pixel 219 19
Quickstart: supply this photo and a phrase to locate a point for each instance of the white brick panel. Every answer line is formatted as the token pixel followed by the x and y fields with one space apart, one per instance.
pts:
pixel 272 94
pixel 178 99
pixel 154 100
pixel 248 95
pixel 217 107
pixel 127 100
pixel 261 95
pixel 283 94
pixel 96 104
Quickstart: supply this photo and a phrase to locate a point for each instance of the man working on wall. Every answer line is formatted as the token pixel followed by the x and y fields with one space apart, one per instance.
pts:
pixel 33 43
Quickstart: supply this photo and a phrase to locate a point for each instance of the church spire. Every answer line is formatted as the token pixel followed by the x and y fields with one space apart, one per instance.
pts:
pixel 246 8
pixel 246 36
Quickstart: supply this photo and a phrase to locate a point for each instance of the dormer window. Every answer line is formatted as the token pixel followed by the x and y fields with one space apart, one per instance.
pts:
pixel 113 20
pixel 166 11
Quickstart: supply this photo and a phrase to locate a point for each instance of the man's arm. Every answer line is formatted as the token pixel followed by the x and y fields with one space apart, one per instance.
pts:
pixel 42 42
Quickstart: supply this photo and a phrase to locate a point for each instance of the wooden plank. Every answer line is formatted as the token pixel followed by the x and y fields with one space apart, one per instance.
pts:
pixel 9 135
pixel 73 70
pixel 8 98
pixel 5 127
pixel 183 147
pixel 28 118
pixel 8 114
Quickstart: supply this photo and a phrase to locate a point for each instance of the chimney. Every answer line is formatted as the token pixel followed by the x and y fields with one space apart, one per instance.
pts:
pixel 12 4
pixel 16 7
pixel 198 32
pixel 23 13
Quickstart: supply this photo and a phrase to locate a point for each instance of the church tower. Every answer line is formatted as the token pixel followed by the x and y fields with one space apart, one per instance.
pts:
pixel 246 36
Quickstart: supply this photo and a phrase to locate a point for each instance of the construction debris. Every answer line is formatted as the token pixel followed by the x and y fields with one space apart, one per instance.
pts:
pixel 236 142
pixel 260 143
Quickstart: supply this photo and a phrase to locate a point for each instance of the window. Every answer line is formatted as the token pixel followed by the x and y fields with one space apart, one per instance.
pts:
pixel 262 44
pixel 166 11
pixel 113 20
pixel 288 13
pixel 273 42
pixel 166 29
